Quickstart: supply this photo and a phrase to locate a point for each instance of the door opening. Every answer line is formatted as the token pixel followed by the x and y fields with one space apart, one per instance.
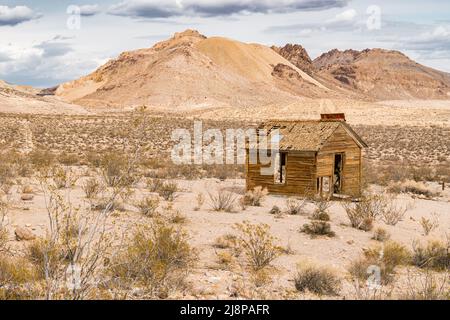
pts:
pixel 338 169
pixel 280 168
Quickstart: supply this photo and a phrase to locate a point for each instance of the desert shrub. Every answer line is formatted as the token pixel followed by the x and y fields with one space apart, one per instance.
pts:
pixel 386 258
pixel 429 225
pixel 92 188
pixel 320 215
pixel 41 159
pixel 258 244
pixel 68 159
pixel 157 258
pixel 295 206
pixel 426 285
pixel 435 255
pixel 393 212
pixel 381 234
pixel 63 177
pixel 275 210
pixel 318 280
pixel 322 204
pixel 318 228
pixel 116 170
pixel 15 275
pixel 168 190
pixel 147 206
pixel 46 257
pixel 154 184
pixel 363 213
pixel 255 197
pixel 222 200
pixel 413 187
pixel 394 254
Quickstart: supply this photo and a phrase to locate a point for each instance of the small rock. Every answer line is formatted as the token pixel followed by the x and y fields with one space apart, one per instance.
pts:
pixel 350 242
pixel 27 197
pixel 28 225
pixel 24 234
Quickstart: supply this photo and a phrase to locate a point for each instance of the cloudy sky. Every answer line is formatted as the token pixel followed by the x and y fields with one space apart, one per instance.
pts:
pixel 43 43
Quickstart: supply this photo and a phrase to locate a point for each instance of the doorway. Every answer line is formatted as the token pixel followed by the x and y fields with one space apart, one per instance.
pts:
pixel 338 170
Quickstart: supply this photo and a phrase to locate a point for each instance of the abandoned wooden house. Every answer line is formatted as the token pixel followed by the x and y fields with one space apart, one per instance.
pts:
pixel 312 157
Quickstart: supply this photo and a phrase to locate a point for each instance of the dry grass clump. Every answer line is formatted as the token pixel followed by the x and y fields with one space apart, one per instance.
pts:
pixel 317 279
pixel 381 234
pixel 255 197
pixel 92 188
pixel 258 244
pixel 156 260
pixel 168 190
pixel 318 228
pixel 435 255
pixel 222 200
pixel 147 206
pixel 16 279
pixel 225 242
pixel 46 257
pixel 382 258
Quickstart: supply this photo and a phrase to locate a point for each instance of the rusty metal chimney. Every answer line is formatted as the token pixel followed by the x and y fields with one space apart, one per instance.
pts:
pixel 332 117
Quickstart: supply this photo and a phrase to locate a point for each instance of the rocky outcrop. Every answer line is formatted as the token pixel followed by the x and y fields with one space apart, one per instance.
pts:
pixel 381 74
pixel 297 55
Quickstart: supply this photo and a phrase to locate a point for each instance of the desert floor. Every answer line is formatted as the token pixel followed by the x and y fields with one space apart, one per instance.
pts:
pixel 406 139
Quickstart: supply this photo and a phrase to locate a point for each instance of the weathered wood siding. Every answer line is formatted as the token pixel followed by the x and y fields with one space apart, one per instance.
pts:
pixel 300 175
pixel 341 142
pixel 303 168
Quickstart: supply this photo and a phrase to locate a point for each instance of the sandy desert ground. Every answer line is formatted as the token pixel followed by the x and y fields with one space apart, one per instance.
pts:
pixel 409 161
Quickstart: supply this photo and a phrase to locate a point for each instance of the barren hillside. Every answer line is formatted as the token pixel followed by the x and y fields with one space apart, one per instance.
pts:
pixel 192 71
pixel 21 99
pixel 382 75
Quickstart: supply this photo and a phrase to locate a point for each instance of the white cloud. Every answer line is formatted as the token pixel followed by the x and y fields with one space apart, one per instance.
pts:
pixel 43 65
pixel 90 10
pixel 11 16
pixel 211 8
pixel 346 16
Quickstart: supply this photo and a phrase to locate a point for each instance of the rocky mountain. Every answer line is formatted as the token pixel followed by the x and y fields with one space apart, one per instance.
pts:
pixel 297 55
pixel 381 74
pixel 191 71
